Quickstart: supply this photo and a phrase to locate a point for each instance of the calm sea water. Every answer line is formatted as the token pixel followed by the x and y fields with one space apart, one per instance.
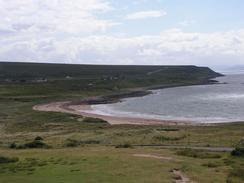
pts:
pixel 205 103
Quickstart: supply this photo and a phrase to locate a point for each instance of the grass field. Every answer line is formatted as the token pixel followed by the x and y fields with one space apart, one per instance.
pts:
pixel 81 150
pixel 106 164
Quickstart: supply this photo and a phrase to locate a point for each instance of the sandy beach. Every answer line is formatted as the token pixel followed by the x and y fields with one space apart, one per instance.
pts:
pixel 87 111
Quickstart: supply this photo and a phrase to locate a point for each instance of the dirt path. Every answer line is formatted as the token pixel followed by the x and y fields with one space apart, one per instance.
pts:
pixel 153 156
pixel 180 177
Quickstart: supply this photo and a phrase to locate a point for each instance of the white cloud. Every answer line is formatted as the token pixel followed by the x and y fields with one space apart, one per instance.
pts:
pixel 70 31
pixel 170 47
pixel 62 16
pixel 146 14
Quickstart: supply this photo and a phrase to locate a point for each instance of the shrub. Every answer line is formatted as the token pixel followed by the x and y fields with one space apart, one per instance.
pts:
pixel 35 144
pixel 166 138
pixel 20 146
pixel 39 138
pixel 197 154
pixel 94 120
pixel 238 151
pixel 123 146
pixel 75 143
pixel 212 164
pixel 8 160
pixel 13 145
pixel 72 143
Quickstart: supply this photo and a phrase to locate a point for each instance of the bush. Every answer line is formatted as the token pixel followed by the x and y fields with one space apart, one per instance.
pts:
pixel 123 146
pixel 13 145
pixel 238 151
pixel 72 143
pixel 90 142
pixel 8 160
pixel 94 120
pixel 39 138
pixel 35 144
pixel 165 138
pixel 75 143
pixel 212 164
pixel 197 154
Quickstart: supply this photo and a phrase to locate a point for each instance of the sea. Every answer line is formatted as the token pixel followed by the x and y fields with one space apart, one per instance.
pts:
pixel 215 103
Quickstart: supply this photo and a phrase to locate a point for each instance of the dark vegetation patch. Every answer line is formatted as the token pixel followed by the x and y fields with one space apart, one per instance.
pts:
pixel 212 164
pixel 38 138
pixel 168 129
pixel 198 154
pixel 238 151
pixel 168 138
pixel 126 145
pixel 4 160
pixel 94 120
pixel 76 143
pixel 36 143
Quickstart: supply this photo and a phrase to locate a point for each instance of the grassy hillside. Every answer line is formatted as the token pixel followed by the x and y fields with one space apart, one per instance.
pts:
pixel 35 70
pixel 25 79
pixel 75 149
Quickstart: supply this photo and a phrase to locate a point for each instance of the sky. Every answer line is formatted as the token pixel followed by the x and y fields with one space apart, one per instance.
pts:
pixel 138 32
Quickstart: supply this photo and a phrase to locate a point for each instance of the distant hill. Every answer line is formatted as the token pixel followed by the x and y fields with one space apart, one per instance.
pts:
pixel 30 71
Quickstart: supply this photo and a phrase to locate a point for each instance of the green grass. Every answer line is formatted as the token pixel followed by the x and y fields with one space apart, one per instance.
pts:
pixel 198 154
pixel 103 164
pixel 84 165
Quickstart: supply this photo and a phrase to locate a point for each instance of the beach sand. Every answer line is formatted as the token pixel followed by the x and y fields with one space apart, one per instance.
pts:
pixel 87 111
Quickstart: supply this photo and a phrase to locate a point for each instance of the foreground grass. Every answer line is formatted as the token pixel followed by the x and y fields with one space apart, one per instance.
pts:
pixel 95 164
pixel 104 164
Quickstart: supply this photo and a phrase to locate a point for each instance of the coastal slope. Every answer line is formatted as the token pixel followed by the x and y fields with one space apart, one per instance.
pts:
pixel 123 76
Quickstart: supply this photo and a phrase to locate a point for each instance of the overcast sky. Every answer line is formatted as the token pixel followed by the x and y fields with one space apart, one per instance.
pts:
pixel 197 32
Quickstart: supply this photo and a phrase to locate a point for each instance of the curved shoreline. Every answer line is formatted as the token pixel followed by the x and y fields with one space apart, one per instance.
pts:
pixel 83 107
pixel 85 110
pixel 135 92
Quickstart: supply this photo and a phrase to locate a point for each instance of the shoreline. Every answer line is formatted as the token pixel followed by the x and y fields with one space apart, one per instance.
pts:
pixel 83 107
pixel 85 111
pixel 136 92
